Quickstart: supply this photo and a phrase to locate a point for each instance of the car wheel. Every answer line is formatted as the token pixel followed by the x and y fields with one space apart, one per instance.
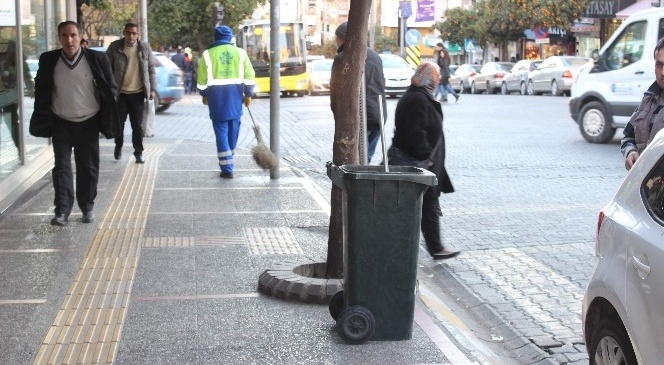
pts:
pixel 473 90
pixel 158 107
pixel 462 88
pixel 595 123
pixel 489 89
pixel 555 90
pixel 503 89
pixel 523 89
pixel 531 88
pixel 610 344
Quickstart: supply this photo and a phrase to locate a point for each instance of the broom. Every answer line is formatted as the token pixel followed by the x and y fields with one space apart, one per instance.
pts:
pixel 262 155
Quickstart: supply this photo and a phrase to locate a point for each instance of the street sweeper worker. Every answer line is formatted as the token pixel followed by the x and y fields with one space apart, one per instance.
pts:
pixel 226 80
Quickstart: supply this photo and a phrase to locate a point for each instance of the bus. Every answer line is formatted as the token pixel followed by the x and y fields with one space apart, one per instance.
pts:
pixel 254 38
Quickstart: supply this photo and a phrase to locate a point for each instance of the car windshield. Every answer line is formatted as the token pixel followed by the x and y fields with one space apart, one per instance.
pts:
pixel 394 62
pixel 504 66
pixel 574 61
pixel 163 61
pixel 471 69
pixel 322 66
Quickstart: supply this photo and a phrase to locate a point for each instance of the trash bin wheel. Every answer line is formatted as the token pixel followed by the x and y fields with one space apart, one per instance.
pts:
pixel 356 324
pixel 336 304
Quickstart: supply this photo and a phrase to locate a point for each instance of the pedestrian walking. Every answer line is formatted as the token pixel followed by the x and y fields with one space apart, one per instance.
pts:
pixel 443 60
pixel 648 118
pixel 374 85
pixel 132 63
pixel 419 141
pixel 187 71
pixel 178 58
pixel 74 102
pixel 226 81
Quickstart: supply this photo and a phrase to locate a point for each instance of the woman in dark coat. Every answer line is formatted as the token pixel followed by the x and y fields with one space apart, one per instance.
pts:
pixel 419 140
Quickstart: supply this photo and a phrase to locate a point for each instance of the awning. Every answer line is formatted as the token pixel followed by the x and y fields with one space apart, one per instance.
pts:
pixel 639 5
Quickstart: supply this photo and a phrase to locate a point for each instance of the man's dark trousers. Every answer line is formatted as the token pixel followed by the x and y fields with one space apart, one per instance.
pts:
pixel 83 138
pixel 132 105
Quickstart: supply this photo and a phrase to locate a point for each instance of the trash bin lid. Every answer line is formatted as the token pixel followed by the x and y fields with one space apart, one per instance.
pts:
pixel 399 173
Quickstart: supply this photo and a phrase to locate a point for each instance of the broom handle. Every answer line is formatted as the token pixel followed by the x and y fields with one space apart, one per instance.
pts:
pixel 251 116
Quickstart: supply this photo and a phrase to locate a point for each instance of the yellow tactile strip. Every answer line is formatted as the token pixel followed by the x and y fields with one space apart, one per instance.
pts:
pixel 271 240
pixel 87 327
pixel 178 242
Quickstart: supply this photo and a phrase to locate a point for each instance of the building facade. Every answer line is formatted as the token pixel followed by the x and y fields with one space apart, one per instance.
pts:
pixel 27 28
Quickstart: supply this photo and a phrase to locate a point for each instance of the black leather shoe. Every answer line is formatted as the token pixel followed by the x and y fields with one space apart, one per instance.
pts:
pixel 117 153
pixel 88 217
pixel 60 220
pixel 140 158
pixel 226 175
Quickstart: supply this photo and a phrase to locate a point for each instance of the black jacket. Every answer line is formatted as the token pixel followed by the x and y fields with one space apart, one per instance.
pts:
pixel 375 85
pixel 41 122
pixel 418 123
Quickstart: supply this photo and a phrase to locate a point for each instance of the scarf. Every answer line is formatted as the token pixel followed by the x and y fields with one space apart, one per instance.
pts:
pixel 427 75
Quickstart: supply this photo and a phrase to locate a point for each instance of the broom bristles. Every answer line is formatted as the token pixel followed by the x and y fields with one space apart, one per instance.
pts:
pixel 263 157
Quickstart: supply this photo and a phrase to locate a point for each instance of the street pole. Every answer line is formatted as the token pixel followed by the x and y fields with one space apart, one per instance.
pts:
pixel 144 20
pixel 275 89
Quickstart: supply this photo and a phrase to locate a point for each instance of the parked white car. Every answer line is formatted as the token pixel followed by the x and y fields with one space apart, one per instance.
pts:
pixel 320 72
pixel 623 311
pixel 555 75
pixel 397 74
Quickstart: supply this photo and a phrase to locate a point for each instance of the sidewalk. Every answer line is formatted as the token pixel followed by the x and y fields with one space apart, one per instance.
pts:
pixel 168 272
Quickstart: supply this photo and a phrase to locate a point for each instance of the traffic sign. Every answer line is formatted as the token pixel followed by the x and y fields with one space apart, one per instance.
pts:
pixel 413 37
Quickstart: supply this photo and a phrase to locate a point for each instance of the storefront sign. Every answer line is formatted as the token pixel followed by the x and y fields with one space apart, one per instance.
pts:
pixel 7 14
pixel 601 9
pixel 425 10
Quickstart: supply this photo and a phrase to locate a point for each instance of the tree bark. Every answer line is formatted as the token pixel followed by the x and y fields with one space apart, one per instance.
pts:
pixel 344 97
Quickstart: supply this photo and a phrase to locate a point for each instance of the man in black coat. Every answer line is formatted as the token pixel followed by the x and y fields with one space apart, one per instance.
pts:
pixel 375 86
pixel 74 101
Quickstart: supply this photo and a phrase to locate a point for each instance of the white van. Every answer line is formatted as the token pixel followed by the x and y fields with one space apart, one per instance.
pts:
pixel 604 96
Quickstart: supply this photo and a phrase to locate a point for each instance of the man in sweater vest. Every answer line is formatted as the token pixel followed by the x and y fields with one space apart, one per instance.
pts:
pixel 74 102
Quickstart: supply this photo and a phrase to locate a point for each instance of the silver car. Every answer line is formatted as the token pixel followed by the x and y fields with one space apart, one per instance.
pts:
pixel 622 313
pixel 555 75
pixel 460 79
pixel 490 77
pixel 517 79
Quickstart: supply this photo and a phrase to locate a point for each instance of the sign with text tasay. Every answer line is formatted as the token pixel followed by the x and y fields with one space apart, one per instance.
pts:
pixel 602 8
pixel 425 10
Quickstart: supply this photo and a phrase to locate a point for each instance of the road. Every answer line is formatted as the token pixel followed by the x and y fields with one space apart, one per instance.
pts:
pixel 528 192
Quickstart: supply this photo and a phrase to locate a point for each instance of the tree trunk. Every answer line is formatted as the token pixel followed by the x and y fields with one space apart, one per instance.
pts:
pixel 344 96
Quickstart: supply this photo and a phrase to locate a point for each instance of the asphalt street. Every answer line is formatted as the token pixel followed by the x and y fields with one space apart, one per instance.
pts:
pixel 528 192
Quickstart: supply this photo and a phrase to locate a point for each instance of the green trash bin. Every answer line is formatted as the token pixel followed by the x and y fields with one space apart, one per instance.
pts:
pixel 381 228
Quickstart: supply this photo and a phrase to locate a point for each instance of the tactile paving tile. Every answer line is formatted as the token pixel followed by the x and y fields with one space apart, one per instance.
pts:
pixel 163 242
pixel 271 241
pixel 88 325
pixel 219 241
pixel 300 159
